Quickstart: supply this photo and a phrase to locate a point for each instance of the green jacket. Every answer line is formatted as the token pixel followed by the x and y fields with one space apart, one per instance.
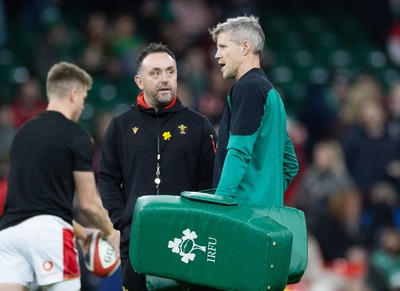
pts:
pixel 255 157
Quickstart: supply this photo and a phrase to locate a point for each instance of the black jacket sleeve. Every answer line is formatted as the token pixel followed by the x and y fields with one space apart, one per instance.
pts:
pixel 206 163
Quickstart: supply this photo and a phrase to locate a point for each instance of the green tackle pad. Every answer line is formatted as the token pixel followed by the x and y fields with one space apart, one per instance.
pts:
pixel 209 240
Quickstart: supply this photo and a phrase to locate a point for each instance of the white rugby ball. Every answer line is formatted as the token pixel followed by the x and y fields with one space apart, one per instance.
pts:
pixel 100 257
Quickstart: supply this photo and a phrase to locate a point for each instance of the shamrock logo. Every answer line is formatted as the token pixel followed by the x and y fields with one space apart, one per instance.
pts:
pixel 186 246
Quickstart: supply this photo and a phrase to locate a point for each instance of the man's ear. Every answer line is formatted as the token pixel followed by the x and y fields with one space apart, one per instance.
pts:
pixel 246 47
pixel 139 81
pixel 72 94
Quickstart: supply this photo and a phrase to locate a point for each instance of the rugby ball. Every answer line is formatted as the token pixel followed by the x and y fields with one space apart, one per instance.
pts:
pixel 100 257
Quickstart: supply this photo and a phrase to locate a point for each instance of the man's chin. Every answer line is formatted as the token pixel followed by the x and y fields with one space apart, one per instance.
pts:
pixel 227 76
pixel 165 100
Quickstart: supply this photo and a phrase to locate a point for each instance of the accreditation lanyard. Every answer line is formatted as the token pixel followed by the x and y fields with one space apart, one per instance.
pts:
pixel 157 179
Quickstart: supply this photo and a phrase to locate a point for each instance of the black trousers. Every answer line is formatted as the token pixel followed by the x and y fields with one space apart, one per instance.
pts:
pixel 132 281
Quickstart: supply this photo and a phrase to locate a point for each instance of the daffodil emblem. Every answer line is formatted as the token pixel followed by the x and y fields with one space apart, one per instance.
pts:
pixel 167 135
pixel 185 246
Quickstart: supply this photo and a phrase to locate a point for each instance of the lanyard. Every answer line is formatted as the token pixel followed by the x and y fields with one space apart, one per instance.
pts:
pixel 157 179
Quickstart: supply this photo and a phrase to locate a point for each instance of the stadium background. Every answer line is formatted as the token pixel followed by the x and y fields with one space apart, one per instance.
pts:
pixel 310 44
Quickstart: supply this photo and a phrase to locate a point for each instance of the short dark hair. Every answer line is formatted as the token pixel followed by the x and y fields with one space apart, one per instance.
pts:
pixel 150 49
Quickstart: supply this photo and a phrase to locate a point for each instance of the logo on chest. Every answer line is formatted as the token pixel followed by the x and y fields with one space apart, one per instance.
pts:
pixel 182 129
pixel 135 129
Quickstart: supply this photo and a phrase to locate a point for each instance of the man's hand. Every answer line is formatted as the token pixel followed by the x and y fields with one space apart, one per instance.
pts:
pixel 114 239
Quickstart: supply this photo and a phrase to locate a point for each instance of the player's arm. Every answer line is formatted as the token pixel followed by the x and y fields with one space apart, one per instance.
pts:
pixel 290 163
pixel 92 208
pixel 236 164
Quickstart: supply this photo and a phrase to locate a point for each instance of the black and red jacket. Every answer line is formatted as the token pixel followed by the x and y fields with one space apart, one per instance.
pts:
pixel 181 138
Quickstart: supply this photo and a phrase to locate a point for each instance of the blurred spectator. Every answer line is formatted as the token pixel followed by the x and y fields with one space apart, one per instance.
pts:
pixel 345 276
pixel 194 70
pixel 365 87
pixel 341 264
pixel 57 43
pixel 28 102
pixel 339 231
pixel 151 14
pixel 384 264
pixel 326 175
pixel 393 123
pixel 321 108
pixel 393 43
pixel 125 42
pixel 298 134
pixel 170 34
pixel 393 36
pixel 96 44
pixel 367 146
pixel 193 18
pixel 380 213
pixel 316 273
pixel 185 95
pixel 211 103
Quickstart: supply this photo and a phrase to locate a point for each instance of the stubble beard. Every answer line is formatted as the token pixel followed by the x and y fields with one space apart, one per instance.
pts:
pixel 228 74
pixel 163 99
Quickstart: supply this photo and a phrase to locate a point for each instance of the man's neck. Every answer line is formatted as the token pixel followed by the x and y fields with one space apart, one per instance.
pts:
pixel 60 107
pixel 249 63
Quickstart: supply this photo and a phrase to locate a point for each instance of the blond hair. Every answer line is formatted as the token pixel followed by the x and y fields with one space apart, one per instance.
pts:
pixel 63 76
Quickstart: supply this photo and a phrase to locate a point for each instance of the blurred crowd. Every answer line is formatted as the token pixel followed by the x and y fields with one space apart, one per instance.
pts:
pixel 346 131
